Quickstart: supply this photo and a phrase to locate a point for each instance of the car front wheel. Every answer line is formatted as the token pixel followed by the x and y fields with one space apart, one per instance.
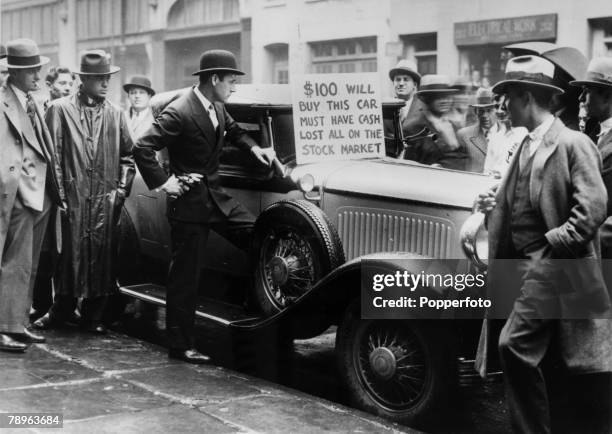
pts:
pixel 400 370
pixel 296 246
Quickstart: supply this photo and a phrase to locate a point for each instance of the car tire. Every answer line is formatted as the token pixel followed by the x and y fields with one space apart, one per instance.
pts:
pixel 371 356
pixel 295 245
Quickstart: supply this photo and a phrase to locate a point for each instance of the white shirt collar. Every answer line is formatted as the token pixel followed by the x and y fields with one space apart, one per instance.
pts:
pixel 205 102
pixel 538 133
pixel 139 115
pixel 605 126
pixel 21 96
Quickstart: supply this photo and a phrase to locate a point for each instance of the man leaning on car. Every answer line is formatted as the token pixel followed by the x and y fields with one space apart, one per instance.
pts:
pixel 193 129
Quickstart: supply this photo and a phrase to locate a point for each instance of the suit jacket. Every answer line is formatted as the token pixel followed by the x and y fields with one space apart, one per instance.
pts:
pixel 605 148
pixel 414 121
pixel 16 131
pixel 185 129
pixel 566 187
pixel 474 143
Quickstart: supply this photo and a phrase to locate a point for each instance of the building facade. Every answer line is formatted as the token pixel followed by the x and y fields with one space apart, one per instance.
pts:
pixel 274 39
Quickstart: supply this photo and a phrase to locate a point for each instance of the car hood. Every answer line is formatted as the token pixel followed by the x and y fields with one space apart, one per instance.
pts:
pixel 398 179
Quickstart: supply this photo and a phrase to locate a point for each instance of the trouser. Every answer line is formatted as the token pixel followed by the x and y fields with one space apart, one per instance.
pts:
pixel 523 343
pixel 92 308
pixel 188 247
pixel 42 296
pixel 19 266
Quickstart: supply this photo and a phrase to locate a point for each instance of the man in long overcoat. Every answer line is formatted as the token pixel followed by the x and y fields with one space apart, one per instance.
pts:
pixel 29 187
pixel 547 209
pixel 95 150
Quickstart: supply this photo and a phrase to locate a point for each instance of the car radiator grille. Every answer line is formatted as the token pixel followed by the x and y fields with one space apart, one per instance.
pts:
pixel 364 230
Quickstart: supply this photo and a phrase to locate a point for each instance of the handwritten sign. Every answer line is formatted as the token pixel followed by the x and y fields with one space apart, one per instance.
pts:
pixel 337 117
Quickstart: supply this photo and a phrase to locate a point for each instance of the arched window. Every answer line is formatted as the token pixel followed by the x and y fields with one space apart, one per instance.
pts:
pixel 189 13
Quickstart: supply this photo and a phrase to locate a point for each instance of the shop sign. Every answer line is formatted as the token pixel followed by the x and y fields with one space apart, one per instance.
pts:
pixel 337 117
pixel 506 30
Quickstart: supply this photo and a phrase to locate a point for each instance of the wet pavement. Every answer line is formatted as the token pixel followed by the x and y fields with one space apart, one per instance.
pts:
pixel 118 383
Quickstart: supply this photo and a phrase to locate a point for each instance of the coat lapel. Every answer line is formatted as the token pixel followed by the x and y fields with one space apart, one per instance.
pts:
pixel 545 150
pixel 201 119
pixel 20 118
pixel 478 139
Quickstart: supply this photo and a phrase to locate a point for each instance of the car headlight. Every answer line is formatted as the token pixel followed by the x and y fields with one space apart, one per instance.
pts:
pixel 475 241
pixel 306 183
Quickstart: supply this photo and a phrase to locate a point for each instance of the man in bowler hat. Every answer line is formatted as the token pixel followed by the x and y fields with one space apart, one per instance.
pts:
pixel 545 215
pixel 30 184
pixel 193 129
pixel 95 152
pixel 139 115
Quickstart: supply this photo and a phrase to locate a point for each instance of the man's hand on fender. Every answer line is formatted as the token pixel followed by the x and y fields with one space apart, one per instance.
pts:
pixel 265 156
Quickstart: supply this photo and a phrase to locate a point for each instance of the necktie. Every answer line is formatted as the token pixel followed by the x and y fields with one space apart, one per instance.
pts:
pixel 525 153
pixel 213 116
pixel 31 109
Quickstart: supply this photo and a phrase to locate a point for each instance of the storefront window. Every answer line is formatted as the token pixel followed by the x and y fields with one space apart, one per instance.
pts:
pixel 423 48
pixel 345 55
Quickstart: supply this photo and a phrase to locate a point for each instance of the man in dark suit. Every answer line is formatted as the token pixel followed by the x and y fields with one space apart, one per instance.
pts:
pixel 597 99
pixel 489 142
pixel 193 128
pixel 406 80
pixel 547 209
pixel 29 188
pixel 474 139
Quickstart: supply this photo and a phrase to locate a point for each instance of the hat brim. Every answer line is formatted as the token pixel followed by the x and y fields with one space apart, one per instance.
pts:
pixel 580 83
pixel 401 71
pixel 113 70
pixel 128 86
pixel 43 61
pixel 231 70
pixel 499 87
pixel 436 91
pixel 492 104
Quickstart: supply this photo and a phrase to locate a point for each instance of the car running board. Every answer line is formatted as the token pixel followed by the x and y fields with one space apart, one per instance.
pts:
pixel 220 313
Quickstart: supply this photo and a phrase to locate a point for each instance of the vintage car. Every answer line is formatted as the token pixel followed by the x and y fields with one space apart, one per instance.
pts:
pixel 315 224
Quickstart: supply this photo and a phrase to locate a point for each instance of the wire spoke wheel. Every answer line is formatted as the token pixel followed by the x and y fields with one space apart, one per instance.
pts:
pixel 288 264
pixel 391 365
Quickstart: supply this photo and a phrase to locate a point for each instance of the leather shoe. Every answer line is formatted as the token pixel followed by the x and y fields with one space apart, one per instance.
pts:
pixel 9 344
pixel 28 337
pixel 96 328
pixel 46 322
pixel 190 356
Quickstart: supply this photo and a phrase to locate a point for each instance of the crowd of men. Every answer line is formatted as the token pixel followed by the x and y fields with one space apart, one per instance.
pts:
pixel 67 167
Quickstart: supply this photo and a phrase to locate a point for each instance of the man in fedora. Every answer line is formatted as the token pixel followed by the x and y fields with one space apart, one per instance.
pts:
pixel 596 97
pixel 544 214
pixel 95 151
pixel 193 128
pixel 436 94
pixel 488 141
pixel 29 187
pixel 406 79
pixel 139 115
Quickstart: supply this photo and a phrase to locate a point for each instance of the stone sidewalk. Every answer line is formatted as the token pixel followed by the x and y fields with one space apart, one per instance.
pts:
pixel 117 383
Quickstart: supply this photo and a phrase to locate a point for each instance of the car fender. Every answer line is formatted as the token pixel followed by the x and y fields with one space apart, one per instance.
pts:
pixel 325 303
